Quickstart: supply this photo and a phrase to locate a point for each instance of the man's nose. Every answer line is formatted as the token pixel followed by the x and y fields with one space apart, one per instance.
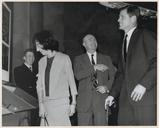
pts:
pixel 119 19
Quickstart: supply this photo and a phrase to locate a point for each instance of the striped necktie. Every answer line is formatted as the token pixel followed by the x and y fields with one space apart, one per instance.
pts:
pixel 94 76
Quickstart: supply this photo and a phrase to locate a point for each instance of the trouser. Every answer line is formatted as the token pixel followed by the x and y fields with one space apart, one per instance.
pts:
pixel 96 115
pixel 90 118
pixel 34 117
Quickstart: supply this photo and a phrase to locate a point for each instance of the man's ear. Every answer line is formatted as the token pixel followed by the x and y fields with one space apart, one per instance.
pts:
pixel 24 58
pixel 83 44
pixel 134 19
pixel 96 44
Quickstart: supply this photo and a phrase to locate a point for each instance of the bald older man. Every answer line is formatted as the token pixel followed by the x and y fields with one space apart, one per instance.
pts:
pixel 95 73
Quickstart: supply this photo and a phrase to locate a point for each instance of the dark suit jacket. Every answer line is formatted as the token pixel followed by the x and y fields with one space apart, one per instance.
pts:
pixel 83 71
pixel 25 79
pixel 140 68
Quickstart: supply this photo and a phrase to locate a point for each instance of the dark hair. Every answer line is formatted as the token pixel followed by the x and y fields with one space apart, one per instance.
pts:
pixel 42 36
pixel 50 44
pixel 28 50
pixel 132 11
pixel 46 39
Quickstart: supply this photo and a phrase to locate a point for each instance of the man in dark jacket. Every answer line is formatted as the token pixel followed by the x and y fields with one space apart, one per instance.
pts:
pixel 136 78
pixel 25 78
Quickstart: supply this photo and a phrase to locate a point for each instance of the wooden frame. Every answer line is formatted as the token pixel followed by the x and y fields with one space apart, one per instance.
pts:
pixel 6 38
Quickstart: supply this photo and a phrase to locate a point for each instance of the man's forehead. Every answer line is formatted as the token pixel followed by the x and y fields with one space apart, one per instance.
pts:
pixel 89 36
pixel 29 53
pixel 124 11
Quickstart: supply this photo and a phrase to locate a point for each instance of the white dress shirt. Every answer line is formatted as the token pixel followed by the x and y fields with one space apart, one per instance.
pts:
pixel 30 67
pixel 129 33
pixel 94 57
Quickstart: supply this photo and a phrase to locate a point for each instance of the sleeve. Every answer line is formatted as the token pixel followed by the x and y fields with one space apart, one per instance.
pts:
pixel 116 86
pixel 80 71
pixel 150 45
pixel 70 75
pixel 112 72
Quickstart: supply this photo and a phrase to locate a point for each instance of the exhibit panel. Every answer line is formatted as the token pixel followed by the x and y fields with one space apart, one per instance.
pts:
pixel 16 106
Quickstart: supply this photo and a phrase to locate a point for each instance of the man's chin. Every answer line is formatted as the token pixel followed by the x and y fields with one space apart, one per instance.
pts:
pixel 121 28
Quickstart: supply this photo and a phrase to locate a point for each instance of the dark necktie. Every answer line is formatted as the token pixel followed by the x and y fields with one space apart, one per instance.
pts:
pixel 92 59
pixel 125 44
pixel 94 77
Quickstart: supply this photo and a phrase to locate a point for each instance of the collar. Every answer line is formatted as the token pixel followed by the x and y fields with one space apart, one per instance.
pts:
pixel 89 54
pixel 129 33
pixel 52 55
pixel 28 65
pixel 94 57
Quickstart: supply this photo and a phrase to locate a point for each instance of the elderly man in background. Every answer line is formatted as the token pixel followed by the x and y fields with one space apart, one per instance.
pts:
pixel 95 73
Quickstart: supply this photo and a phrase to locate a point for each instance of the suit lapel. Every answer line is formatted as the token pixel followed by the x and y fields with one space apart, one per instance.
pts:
pixel 123 60
pixel 132 44
pixel 99 58
pixel 87 61
pixel 132 40
pixel 43 69
pixel 54 69
pixel 26 68
pixel 130 47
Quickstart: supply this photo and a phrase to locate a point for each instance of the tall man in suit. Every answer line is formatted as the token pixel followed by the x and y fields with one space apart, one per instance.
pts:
pixel 25 78
pixel 136 75
pixel 95 73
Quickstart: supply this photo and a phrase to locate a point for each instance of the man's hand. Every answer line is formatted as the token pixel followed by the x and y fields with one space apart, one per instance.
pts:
pixel 102 89
pixel 100 67
pixel 109 101
pixel 42 111
pixel 72 109
pixel 138 92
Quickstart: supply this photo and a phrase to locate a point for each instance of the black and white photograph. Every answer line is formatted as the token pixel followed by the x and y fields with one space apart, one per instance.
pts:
pixel 84 63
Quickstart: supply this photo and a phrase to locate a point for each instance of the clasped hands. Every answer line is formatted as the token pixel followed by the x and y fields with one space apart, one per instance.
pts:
pixel 100 67
pixel 102 89
pixel 136 95
pixel 43 113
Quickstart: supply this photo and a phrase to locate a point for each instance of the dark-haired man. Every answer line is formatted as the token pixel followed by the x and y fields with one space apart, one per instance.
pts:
pixel 25 78
pixel 136 76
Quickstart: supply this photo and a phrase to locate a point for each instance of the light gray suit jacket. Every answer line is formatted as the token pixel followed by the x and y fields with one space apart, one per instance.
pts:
pixel 61 77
